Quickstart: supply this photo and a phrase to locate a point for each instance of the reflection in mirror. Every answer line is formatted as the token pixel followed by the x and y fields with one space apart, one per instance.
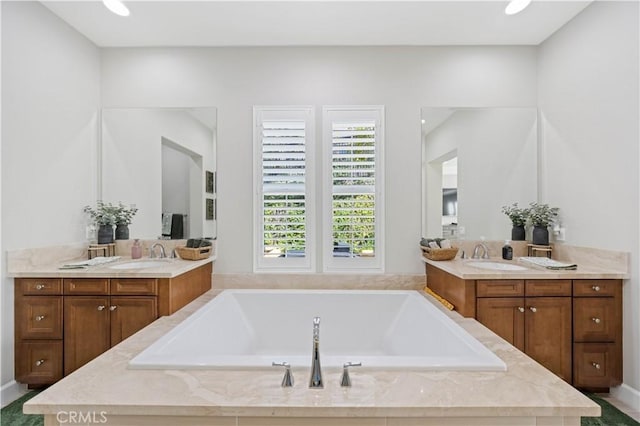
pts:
pixel 158 159
pixel 495 155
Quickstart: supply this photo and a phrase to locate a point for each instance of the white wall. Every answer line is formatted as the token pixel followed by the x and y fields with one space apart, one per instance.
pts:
pixel 403 79
pixel 496 150
pixel 132 162
pixel 588 94
pixel 50 99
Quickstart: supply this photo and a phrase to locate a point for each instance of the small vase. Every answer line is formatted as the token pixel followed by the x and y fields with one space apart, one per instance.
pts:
pixel 105 234
pixel 540 235
pixel 517 233
pixel 122 232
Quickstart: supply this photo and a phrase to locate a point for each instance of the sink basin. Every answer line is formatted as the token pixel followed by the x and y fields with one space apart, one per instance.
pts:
pixel 496 266
pixel 139 265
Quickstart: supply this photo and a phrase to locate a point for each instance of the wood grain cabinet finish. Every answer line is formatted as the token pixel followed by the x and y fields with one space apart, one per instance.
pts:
pixel 597 333
pixel 539 325
pixel 61 324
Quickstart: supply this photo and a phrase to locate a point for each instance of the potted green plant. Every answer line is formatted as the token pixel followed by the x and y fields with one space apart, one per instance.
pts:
pixel 541 216
pixel 518 217
pixel 124 216
pixel 104 215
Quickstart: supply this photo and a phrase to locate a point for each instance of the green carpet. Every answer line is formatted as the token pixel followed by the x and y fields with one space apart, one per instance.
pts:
pixel 12 414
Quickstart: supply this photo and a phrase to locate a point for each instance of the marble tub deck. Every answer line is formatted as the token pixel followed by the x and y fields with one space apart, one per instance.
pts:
pixel 526 394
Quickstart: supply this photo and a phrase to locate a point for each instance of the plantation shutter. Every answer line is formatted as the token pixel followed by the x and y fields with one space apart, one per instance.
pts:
pixel 353 188
pixel 284 201
pixel 353 164
pixel 283 188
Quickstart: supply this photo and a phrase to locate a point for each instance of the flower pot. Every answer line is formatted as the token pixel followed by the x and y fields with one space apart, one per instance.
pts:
pixel 122 232
pixel 517 233
pixel 105 234
pixel 540 235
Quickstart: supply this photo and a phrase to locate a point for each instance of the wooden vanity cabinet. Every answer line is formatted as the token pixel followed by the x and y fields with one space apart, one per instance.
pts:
pixel 93 324
pixel 532 315
pixel 597 333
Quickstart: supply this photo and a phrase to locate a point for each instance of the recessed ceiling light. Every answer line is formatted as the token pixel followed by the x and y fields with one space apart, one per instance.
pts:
pixel 117 7
pixel 423 121
pixel 516 6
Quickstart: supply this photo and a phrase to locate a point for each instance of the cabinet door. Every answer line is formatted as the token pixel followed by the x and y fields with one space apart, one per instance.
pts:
pixel 86 330
pixel 39 362
pixel 505 317
pixel 130 314
pixel 548 333
pixel 38 317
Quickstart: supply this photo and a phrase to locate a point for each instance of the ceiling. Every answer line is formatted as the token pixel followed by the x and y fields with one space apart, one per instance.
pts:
pixel 316 23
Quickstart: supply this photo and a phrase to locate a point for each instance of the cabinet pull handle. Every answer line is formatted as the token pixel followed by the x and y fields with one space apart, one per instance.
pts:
pixel 40 286
pixel 596 365
pixel 101 307
pixel 520 308
pixel 39 362
pixel 533 309
pixel 595 288
pixel 596 320
pixel 113 308
pixel 39 317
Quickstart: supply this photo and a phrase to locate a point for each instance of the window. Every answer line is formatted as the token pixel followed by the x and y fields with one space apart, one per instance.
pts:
pixel 353 188
pixel 283 139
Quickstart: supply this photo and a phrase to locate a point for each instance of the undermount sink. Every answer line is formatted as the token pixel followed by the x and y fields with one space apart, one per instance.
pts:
pixel 140 264
pixel 496 266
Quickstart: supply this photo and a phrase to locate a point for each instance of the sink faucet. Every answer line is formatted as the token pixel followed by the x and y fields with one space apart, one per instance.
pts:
pixel 476 250
pixel 315 382
pixel 152 251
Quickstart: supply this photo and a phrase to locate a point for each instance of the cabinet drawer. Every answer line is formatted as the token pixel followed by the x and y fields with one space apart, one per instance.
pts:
pixel 39 363
pixel 134 286
pixel 596 365
pixel 499 288
pixel 86 286
pixel 596 319
pixel 39 286
pixel 547 287
pixel 596 288
pixel 39 317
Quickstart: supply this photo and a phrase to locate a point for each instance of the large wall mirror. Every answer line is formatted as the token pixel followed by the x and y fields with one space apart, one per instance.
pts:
pixel 474 161
pixel 162 160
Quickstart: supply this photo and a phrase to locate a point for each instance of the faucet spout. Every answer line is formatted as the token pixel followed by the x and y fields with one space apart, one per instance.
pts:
pixel 476 251
pixel 315 382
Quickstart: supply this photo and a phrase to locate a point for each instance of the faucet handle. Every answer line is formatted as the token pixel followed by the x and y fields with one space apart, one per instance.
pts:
pixel 345 381
pixel 287 380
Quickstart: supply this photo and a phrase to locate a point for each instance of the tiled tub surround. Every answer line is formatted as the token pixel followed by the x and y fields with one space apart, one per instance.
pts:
pixel 526 394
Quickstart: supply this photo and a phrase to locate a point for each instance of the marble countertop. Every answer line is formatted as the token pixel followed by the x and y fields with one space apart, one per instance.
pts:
pixel 461 269
pixel 170 268
pixel 106 383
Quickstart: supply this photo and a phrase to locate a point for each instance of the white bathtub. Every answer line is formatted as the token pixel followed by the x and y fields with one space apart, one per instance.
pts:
pixel 381 329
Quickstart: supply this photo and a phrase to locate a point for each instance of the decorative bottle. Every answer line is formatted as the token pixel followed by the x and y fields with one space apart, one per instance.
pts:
pixel 507 251
pixel 136 250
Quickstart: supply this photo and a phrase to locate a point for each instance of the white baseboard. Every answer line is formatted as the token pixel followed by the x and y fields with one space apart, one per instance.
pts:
pixel 11 391
pixel 628 395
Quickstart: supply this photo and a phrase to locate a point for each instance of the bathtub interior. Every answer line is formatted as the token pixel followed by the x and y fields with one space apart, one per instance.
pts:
pixel 245 328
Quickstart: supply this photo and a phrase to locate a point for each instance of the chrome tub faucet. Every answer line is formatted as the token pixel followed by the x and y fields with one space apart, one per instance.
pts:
pixel 315 382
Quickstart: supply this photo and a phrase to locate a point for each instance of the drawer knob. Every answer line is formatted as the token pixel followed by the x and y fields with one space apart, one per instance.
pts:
pixel 40 286
pixel 595 288
pixel 596 320
pixel 39 362
pixel 533 309
pixel 595 365
pixel 39 317
pixel 520 308
pixel 101 307
pixel 113 308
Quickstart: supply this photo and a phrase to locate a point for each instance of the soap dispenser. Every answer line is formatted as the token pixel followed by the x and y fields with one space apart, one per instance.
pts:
pixel 136 249
pixel 507 251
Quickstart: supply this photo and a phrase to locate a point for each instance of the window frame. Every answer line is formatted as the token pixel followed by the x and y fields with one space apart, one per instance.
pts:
pixel 375 264
pixel 284 264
